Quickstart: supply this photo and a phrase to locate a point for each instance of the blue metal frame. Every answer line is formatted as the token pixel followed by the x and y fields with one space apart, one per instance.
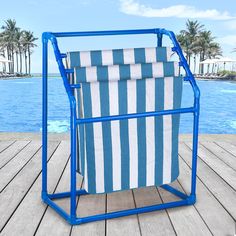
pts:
pixel 74 121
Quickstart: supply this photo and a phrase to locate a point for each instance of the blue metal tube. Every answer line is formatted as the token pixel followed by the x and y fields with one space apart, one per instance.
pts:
pixel 44 116
pixel 75 86
pixel 105 33
pixel 66 194
pixel 73 164
pixel 135 115
pixel 132 211
pixel 194 148
pixel 72 126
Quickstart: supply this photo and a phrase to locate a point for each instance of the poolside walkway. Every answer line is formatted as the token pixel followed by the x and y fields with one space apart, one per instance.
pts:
pixel 23 213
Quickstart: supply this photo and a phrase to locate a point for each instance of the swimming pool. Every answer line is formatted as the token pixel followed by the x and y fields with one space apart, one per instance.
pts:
pixel 21 106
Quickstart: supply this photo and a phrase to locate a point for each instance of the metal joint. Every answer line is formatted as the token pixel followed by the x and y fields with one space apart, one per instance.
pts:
pixel 47 36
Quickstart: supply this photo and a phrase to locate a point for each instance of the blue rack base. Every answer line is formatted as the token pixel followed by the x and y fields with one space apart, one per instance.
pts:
pixel 48 199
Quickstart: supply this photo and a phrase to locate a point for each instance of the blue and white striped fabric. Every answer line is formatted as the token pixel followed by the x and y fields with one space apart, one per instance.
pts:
pixel 118 56
pixel 126 72
pixel 127 154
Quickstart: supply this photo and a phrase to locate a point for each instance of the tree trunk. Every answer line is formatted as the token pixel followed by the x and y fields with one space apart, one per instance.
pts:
pixel 26 71
pixel 17 64
pixel 194 69
pixel 4 65
pixel 12 53
pixel 20 61
pixel 203 58
pixel 29 60
pixel 9 58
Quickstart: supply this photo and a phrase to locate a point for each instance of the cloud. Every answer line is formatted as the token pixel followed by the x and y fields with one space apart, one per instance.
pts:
pixel 228 40
pixel 132 7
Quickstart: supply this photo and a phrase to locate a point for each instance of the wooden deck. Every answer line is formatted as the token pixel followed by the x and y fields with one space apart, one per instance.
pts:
pixel 23 213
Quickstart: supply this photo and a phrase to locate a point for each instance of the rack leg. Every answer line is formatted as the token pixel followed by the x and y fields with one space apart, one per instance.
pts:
pixel 194 152
pixel 73 164
pixel 44 118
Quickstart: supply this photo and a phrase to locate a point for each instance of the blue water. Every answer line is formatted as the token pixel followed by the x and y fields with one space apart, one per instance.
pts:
pixel 21 106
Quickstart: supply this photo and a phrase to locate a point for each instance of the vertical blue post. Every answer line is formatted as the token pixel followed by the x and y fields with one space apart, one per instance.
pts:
pixel 44 118
pixel 195 144
pixel 73 126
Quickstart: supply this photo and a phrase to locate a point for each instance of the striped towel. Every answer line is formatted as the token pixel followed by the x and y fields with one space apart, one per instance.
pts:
pixel 127 154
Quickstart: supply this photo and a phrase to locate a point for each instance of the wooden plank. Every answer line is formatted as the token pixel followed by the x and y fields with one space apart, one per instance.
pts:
pixel 26 218
pixel 209 137
pixel 229 147
pixel 10 152
pixel 128 225
pixel 217 186
pixel 52 223
pixel 152 223
pixel 33 136
pixel 11 169
pixel 5 144
pixel 223 170
pixel 212 212
pixel 225 156
pixel 9 200
pixel 185 220
pixel 91 205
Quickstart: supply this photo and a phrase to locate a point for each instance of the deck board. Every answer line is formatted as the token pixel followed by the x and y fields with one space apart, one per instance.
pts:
pixel 219 166
pixel 11 169
pixel 222 191
pixel 12 195
pixel 11 152
pixel 187 221
pixel 53 225
pixel 5 144
pixel 222 154
pixel 28 215
pixel 214 214
pixel 23 213
pixel 128 225
pixel 152 223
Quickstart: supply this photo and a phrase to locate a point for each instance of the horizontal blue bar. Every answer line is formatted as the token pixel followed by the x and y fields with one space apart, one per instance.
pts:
pixel 106 32
pixel 75 86
pixel 63 55
pixel 66 194
pixel 132 211
pixel 69 71
pixel 135 115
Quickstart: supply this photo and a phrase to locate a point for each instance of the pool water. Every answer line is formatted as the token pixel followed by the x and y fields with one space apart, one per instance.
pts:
pixel 21 106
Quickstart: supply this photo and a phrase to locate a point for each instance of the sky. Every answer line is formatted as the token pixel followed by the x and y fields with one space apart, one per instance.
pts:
pixel 84 15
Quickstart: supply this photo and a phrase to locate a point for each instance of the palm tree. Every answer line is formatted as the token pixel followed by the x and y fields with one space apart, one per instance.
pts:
pixel 213 51
pixel 196 41
pixel 28 40
pixel 203 43
pixel 14 43
pixel 9 37
pixel 187 38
